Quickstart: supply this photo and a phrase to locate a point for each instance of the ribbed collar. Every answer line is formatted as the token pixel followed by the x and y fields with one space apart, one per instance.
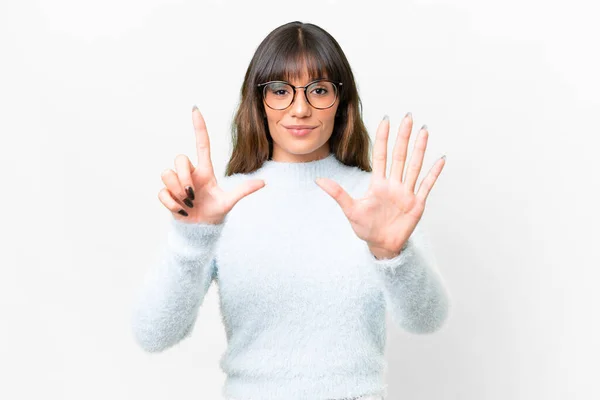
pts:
pixel 299 175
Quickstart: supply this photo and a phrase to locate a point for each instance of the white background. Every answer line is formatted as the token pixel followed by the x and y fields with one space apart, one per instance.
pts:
pixel 95 102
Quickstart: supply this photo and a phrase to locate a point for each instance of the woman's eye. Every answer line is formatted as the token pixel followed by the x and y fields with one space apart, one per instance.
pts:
pixel 320 91
pixel 279 92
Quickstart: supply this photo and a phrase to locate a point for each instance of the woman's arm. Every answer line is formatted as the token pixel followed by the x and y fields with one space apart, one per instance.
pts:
pixel 166 305
pixel 415 292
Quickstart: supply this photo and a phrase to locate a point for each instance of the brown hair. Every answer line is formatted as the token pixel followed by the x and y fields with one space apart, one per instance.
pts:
pixel 283 55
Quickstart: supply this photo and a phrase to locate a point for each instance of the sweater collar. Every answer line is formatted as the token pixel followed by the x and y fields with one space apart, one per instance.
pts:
pixel 299 175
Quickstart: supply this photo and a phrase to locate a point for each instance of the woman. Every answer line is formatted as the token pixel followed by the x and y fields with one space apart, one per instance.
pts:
pixel 306 268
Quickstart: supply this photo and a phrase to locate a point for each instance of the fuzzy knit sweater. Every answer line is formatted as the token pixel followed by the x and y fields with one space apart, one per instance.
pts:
pixel 303 301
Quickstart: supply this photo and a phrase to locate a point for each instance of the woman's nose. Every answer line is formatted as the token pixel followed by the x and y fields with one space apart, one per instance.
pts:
pixel 300 105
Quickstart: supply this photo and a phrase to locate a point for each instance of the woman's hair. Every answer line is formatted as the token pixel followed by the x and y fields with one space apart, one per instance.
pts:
pixel 283 55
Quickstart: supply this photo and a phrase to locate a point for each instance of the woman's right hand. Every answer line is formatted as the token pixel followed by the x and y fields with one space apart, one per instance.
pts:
pixel 194 191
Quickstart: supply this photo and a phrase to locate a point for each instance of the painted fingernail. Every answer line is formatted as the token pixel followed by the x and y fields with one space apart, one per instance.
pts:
pixel 408 114
pixel 385 117
pixel 188 203
pixel 190 192
pixel 182 212
pixel 444 157
pixel 195 107
pixel 424 127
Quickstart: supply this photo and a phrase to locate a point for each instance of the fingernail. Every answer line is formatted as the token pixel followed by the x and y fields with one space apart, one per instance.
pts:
pixel 190 192
pixel 182 212
pixel 385 117
pixel 444 157
pixel 424 127
pixel 195 107
pixel 408 114
pixel 188 203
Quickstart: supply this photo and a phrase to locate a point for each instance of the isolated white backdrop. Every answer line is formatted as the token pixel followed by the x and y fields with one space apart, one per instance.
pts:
pixel 95 102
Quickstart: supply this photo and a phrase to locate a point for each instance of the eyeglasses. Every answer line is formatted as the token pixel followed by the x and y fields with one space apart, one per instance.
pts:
pixel 320 94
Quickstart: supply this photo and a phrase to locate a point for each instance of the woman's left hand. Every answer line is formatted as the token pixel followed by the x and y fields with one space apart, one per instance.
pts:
pixel 388 214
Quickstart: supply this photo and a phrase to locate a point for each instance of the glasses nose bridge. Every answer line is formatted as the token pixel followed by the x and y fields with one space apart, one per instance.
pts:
pixel 295 88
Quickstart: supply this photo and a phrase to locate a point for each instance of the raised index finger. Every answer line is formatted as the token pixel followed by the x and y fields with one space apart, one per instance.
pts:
pixel 202 141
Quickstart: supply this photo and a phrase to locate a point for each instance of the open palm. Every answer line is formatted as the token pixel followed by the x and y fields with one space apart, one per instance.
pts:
pixel 388 214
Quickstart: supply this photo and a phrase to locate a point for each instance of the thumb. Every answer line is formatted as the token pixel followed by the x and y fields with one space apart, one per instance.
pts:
pixel 337 193
pixel 244 190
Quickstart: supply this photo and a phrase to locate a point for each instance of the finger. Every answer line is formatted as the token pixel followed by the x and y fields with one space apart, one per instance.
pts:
pixel 242 191
pixel 400 148
pixel 202 142
pixel 168 201
pixel 380 149
pixel 427 184
pixel 184 169
pixel 173 185
pixel 416 159
pixel 338 193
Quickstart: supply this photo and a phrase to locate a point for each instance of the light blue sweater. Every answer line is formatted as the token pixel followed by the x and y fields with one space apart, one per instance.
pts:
pixel 302 298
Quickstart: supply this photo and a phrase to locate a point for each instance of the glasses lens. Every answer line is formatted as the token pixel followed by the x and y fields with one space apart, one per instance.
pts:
pixel 320 94
pixel 278 95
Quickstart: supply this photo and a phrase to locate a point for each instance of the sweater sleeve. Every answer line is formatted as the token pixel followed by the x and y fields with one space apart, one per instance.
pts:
pixel 415 292
pixel 166 304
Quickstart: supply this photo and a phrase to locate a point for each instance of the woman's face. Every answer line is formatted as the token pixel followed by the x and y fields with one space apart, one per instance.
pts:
pixel 314 145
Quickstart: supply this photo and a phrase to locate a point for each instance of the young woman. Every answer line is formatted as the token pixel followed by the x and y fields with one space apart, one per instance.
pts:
pixel 308 245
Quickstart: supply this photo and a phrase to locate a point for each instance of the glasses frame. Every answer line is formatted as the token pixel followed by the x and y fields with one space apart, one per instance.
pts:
pixel 294 88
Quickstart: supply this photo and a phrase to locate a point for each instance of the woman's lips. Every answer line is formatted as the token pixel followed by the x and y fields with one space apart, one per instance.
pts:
pixel 300 132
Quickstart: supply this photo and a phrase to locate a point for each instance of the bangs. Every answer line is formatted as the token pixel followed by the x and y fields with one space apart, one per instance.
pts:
pixel 291 62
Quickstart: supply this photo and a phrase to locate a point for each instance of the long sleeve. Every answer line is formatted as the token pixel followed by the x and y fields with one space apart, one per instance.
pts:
pixel 415 292
pixel 166 304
